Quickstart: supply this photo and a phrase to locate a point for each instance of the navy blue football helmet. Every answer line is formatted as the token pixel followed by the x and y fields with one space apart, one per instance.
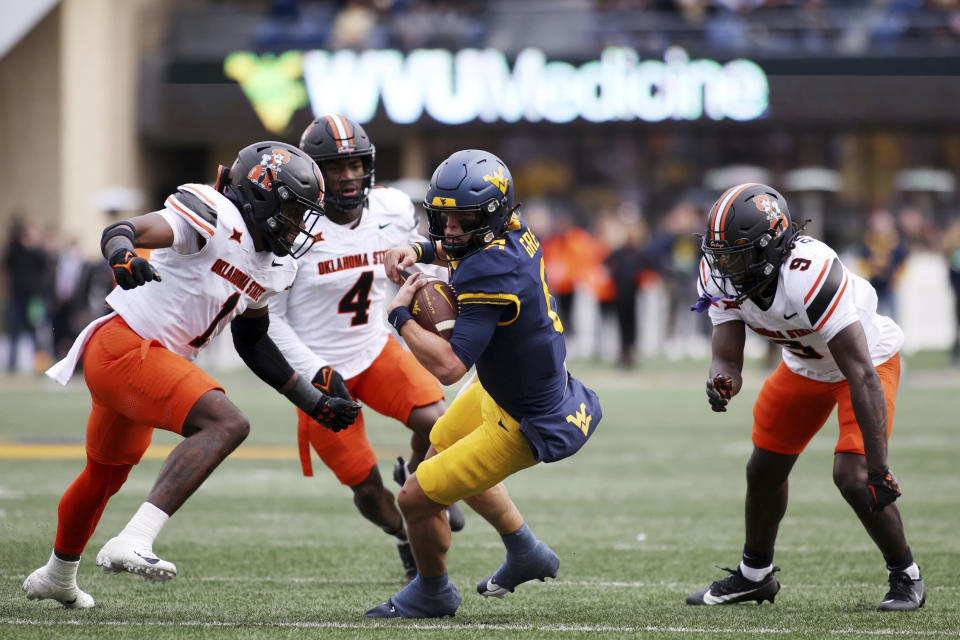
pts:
pixel 279 191
pixel 749 234
pixel 477 186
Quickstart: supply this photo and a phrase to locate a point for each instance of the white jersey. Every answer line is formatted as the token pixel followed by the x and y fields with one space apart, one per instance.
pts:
pixel 816 298
pixel 202 289
pixel 334 313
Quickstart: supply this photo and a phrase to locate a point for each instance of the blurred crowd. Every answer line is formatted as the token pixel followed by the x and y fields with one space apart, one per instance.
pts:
pixel 620 277
pixel 615 213
pixel 755 26
pixel 642 269
pixel 49 293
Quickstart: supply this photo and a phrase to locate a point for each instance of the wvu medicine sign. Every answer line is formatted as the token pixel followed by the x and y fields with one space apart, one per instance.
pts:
pixel 473 84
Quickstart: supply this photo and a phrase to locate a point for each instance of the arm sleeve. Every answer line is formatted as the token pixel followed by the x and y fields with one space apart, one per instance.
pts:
pixel 299 355
pixel 473 330
pixel 257 350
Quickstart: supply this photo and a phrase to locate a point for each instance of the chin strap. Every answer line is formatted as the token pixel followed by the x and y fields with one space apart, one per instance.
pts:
pixel 223 178
pixel 752 292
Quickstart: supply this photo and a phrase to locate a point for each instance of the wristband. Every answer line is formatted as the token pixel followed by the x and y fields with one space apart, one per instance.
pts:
pixel 119 235
pixel 398 317
pixel 304 395
pixel 426 251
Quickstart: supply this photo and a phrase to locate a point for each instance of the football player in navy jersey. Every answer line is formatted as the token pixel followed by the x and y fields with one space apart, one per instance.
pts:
pixel 523 408
pixel 759 272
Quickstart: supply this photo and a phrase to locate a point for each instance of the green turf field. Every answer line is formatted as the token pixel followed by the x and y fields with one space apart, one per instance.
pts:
pixel 640 518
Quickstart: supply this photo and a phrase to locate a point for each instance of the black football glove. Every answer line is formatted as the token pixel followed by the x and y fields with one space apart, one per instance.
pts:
pixel 331 383
pixel 130 270
pixel 333 413
pixel 719 392
pixel 882 489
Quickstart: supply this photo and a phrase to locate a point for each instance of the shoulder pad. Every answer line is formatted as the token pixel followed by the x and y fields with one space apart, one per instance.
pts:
pixel 196 206
pixel 829 285
pixel 491 271
pixel 815 278
pixel 390 200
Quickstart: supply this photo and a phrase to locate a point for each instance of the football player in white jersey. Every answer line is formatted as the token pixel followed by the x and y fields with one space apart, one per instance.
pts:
pixel 333 316
pixel 759 272
pixel 219 255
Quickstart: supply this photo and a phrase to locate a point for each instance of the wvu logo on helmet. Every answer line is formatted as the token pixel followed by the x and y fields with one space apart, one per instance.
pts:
pixel 498 180
pixel 270 164
pixel 439 201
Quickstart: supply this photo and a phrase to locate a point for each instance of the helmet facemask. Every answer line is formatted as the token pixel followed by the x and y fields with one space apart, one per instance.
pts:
pixel 477 187
pixel 344 203
pixel 279 191
pixel 475 223
pixel 290 230
pixel 749 234
pixel 744 270
pixel 336 137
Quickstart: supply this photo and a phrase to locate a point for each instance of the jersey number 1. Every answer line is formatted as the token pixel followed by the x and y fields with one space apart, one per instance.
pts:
pixel 227 307
pixel 357 299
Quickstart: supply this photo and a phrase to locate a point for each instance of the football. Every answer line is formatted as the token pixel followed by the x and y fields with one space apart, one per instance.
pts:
pixel 435 308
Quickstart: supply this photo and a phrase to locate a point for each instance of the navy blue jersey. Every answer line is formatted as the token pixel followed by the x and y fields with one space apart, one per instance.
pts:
pixel 521 364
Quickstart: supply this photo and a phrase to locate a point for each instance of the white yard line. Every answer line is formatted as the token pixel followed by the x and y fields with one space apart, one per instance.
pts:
pixel 617 584
pixel 491 627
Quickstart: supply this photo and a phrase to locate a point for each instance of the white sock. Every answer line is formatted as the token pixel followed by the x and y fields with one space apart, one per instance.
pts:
pixel 913 571
pixel 62 571
pixel 754 575
pixel 146 523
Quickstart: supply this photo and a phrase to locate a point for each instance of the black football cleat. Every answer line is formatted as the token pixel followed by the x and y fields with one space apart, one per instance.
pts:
pixel 400 473
pixel 906 594
pixel 736 588
pixel 406 558
pixel 456 518
pixel 454 513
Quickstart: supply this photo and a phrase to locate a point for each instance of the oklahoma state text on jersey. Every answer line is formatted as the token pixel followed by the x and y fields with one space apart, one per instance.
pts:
pixel 334 312
pixel 816 298
pixel 202 290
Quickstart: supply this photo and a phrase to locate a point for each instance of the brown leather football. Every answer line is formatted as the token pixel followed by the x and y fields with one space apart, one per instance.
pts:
pixel 435 308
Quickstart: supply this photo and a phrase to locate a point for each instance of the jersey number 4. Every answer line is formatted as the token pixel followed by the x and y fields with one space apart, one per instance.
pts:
pixel 357 299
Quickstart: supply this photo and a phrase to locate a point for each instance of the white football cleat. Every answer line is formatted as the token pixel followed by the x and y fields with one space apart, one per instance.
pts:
pixel 40 585
pixel 134 556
